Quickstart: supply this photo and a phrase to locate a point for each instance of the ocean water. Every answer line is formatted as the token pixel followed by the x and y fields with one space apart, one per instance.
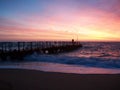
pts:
pixel 92 58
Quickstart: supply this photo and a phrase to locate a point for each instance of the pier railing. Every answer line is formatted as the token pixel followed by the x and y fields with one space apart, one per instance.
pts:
pixel 20 46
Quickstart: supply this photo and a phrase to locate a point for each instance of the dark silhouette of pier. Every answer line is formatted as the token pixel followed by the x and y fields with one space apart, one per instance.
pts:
pixel 17 50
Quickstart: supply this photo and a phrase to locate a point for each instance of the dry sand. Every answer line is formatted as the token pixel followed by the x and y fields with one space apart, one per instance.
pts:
pixel 21 79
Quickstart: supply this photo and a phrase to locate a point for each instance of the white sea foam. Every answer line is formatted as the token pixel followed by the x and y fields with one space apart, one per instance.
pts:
pixel 70 60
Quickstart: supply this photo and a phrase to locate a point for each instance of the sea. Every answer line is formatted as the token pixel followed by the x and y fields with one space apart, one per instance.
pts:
pixel 92 58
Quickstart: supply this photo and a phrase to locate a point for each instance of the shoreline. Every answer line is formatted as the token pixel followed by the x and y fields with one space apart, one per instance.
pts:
pixel 23 79
pixel 60 68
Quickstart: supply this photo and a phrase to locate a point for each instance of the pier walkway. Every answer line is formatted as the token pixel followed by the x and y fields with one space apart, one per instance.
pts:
pixel 17 50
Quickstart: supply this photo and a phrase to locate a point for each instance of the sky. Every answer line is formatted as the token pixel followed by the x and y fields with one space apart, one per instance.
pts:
pixel 61 20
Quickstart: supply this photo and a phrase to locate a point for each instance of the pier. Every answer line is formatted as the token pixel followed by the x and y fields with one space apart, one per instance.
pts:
pixel 18 50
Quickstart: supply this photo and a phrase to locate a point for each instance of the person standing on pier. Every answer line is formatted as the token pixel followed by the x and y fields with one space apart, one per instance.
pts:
pixel 73 42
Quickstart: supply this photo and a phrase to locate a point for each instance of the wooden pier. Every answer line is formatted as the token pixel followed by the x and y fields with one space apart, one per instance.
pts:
pixel 17 50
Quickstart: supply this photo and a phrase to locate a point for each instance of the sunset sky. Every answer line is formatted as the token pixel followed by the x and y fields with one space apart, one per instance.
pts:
pixel 87 20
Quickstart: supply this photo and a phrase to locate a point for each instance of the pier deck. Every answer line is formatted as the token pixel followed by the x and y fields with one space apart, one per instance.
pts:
pixel 17 50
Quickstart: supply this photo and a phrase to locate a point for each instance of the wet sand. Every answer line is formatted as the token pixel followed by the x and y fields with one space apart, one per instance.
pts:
pixel 23 79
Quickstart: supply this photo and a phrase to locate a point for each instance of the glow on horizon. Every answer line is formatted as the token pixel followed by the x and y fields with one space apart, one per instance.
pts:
pixel 60 20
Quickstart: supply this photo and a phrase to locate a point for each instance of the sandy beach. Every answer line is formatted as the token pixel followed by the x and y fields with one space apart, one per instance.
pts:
pixel 23 79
